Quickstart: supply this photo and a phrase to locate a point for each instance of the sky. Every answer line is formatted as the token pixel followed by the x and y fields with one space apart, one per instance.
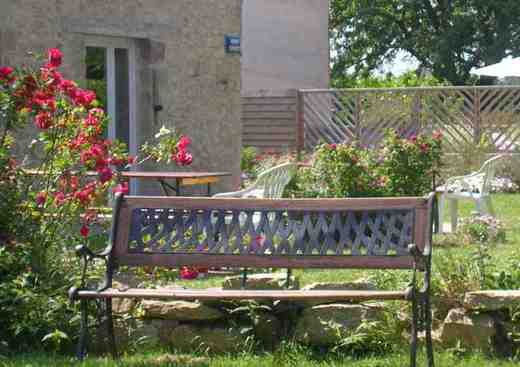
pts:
pixel 403 62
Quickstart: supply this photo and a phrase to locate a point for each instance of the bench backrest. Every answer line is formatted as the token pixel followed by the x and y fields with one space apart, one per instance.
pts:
pixel 294 233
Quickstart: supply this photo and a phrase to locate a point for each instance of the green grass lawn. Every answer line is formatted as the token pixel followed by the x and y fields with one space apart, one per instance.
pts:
pixel 508 210
pixel 290 358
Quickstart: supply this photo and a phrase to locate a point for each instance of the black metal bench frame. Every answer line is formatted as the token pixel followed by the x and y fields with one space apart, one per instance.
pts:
pixel 370 233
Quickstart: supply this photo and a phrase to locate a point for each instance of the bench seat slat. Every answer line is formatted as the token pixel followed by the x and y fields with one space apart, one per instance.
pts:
pixel 219 294
pixel 267 261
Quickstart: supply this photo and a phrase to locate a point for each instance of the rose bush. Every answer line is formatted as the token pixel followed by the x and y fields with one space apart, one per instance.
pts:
pixel 45 212
pixel 399 167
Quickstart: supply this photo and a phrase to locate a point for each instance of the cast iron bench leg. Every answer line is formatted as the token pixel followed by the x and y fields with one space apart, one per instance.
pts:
pixel 415 317
pixel 83 331
pixel 110 328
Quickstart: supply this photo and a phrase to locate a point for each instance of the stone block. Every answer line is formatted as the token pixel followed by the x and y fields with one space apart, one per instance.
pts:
pixel 264 281
pixel 267 329
pixel 355 286
pixel 179 310
pixel 328 324
pixel 470 329
pixel 491 300
pixel 190 338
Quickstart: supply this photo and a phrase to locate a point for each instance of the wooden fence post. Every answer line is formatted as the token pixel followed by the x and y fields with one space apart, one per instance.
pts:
pixel 357 116
pixel 477 131
pixel 416 112
pixel 300 123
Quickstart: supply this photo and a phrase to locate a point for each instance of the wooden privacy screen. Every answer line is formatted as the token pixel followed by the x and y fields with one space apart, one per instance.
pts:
pixel 269 120
pixel 463 114
pixel 324 233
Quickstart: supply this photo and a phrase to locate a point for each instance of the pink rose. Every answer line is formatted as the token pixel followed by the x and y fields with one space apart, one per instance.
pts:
pixel 121 188
pixel 55 58
pixel 6 74
pixel 184 158
pixel 59 198
pixel 43 120
pixel 84 230
pixel 41 197
pixel 105 174
pixel 183 143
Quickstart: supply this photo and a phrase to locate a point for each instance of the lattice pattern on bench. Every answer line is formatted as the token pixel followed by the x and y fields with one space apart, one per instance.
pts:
pixel 277 232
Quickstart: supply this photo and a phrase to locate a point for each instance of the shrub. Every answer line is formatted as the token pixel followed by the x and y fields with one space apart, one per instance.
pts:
pixel 45 215
pixel 483 229
pixel 248 159
pixel 400 167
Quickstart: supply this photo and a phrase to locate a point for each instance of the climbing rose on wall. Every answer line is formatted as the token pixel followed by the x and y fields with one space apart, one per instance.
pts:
pixel 79 165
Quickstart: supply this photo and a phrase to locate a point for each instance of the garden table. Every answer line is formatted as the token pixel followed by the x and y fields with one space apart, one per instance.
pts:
pixel 179 179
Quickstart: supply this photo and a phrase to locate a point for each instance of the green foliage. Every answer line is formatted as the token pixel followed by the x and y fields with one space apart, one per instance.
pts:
pixel 344 170
pixel 447 37
pixel 374 337
pixel 400 167
pixel 408 79
pixel 481 229
pixel 248 159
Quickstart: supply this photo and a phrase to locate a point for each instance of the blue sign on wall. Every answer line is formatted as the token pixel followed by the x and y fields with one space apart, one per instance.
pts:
pixel 232 44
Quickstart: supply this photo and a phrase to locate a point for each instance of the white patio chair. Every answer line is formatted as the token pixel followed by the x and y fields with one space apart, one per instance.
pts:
pixel 269 184
pixel 475 186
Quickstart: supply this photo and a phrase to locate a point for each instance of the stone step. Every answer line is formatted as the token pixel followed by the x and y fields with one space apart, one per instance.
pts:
pixel 491 300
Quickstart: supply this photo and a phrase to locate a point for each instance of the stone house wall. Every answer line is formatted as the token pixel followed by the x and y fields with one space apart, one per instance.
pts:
pixel 181 63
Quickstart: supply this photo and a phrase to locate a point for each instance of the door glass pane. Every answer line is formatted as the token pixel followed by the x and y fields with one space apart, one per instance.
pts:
pixel 95 62
pixel 122 97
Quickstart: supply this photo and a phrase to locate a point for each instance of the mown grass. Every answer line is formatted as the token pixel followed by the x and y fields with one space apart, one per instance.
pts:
pixel 508 210
pixel 290 358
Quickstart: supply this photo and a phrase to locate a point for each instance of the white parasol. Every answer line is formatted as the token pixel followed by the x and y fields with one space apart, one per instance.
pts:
pixel 508 67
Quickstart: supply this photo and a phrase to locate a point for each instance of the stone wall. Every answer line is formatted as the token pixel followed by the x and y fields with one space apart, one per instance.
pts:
pixel 180 61
pixel 486 322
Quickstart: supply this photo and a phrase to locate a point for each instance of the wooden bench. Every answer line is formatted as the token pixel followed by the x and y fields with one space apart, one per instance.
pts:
pixel 371 233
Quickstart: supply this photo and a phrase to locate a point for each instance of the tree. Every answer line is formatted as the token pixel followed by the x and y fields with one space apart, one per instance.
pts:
pixel 447 37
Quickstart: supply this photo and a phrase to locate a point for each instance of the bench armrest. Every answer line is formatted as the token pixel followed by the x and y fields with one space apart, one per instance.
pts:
pixel 84 251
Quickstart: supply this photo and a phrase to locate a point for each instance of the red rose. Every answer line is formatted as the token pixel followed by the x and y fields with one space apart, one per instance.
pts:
pixel 56 78
pixel 437 135
pixel 121 188
pixel 105 174
pixel 91 120
pixel 68 86
pixel 188 273
pixel 44 100
pixel 84 230
pixel 59 198
pixel 82 97
pixel 43 120
pixel 183 143
pixel 41 197
pixel 5 74
pixel 74 183
pixel 184 158
pixel 55 58
pixel 424 147
pixel 84 196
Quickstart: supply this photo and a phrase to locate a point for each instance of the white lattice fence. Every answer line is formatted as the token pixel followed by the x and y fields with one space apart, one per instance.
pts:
pixel 463 114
